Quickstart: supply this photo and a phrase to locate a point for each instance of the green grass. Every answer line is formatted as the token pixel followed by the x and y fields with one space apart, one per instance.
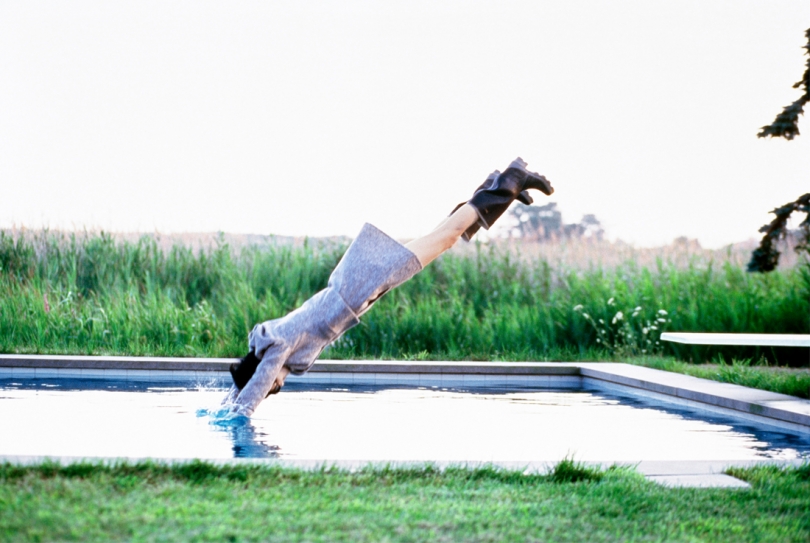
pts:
pixel 739 372
pixel 108 297
pixel 200 502
pixel 92 295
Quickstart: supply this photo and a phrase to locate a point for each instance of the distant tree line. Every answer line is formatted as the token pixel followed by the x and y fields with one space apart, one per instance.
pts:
pixel 544 223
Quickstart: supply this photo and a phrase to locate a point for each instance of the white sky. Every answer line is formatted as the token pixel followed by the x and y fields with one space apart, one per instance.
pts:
pixel 310 118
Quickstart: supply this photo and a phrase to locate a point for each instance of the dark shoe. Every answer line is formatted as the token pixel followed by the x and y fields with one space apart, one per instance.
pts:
pixel 524 197
pixel 533 180
pixel 242 371
pixel 493 201
pixel 498 192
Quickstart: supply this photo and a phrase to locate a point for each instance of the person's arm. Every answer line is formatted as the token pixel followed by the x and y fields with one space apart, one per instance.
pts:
pixel 262 382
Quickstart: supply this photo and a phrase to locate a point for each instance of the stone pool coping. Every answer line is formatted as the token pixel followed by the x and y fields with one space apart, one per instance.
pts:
pixel 760 405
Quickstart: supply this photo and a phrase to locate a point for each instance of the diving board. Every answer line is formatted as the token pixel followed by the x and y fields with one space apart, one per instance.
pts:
pixel 757 340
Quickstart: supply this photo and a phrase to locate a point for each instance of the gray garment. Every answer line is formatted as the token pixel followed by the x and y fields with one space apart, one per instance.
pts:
pixel 373 265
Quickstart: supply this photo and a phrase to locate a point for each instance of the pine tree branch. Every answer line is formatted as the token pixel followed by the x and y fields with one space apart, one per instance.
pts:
pixel 766 256
pixel 786 124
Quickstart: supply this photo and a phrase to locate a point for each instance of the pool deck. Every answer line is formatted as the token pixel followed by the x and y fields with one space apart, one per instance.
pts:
pixel 761 406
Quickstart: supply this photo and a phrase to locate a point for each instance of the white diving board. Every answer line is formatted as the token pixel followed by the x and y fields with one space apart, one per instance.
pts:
pixel 761 340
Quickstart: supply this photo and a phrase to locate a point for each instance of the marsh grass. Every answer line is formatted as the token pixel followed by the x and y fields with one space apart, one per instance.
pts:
pixel 94 294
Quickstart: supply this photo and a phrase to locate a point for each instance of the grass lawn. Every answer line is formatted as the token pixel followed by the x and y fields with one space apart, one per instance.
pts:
pixel 792 381
pixel 200 502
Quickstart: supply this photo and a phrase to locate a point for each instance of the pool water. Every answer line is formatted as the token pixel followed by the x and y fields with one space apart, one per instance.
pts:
pixel 92 418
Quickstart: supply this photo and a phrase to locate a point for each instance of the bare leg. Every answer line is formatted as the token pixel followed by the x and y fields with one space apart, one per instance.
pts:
pixel 429 247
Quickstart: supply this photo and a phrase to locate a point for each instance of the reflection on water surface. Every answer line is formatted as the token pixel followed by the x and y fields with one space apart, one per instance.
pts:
pixel 108 418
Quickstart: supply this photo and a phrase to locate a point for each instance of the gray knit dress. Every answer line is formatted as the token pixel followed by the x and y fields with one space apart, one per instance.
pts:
pixel 374 264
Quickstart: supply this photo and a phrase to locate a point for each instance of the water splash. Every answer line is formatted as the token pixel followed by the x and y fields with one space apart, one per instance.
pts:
pixel 247 441
pixel 224 416
pixel 209 384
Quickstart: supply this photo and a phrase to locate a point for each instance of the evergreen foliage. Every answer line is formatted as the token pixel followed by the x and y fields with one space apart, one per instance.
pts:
pixel 766 256
pixel 786 124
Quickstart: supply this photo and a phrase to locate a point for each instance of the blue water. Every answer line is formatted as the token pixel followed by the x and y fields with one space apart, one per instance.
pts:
pixel 94 418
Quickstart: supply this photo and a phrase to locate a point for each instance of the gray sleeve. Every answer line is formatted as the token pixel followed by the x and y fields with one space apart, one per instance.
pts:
pixel 262 381
pixel 372 265
pixel 230 398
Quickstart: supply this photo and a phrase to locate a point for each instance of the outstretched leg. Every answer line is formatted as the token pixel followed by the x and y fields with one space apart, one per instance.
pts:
pixel 372 265
pixel 488 203
pixel 429 247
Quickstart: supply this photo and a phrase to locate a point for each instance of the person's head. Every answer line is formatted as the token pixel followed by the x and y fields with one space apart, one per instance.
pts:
pixel 242 371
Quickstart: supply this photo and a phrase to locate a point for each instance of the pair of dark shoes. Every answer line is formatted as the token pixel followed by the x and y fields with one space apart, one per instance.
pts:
pixel 499 190
pixel 242 371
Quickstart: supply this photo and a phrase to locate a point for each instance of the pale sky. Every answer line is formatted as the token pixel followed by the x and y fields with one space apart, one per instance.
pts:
pixel 311 118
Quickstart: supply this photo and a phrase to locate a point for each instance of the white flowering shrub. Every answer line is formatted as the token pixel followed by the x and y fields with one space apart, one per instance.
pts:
pixel 629 331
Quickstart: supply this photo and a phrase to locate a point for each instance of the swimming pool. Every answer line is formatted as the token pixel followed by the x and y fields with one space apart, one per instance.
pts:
pixel 375 423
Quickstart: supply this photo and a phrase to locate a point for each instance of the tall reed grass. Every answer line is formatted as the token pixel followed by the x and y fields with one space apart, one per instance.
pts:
pixel 94 294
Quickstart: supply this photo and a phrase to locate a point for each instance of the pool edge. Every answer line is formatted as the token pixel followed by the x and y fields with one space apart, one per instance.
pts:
pixel 758 405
